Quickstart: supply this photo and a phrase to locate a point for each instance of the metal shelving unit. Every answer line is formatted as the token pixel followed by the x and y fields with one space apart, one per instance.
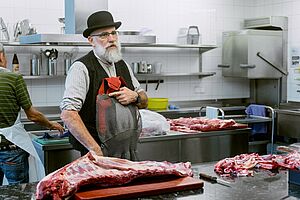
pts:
pixel 158 78
pixel 62 45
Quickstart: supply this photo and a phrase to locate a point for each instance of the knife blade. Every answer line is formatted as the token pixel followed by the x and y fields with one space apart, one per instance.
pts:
pixel 213 179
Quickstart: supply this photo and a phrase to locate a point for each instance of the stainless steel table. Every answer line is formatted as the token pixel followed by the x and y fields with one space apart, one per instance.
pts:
pixel 264 185
pixel 173 147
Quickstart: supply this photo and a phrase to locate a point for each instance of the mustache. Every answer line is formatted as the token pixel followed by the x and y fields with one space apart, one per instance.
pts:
pixel 112 45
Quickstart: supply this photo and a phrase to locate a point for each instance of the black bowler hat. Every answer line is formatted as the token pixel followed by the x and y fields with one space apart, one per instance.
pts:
pixel 100 19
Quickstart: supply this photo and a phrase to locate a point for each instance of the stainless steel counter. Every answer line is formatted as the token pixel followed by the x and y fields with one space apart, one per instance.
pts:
pixel 264 185
pixel 173 147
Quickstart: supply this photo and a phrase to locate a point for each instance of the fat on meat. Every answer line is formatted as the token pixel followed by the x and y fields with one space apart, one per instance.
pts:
pixel 103 171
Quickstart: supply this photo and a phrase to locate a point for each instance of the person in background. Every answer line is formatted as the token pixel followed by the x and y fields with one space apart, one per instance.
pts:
pixel 84 79
pixel 14 96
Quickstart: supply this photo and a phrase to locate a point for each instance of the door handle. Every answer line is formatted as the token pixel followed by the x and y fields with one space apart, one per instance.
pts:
pixel 224 66
pixel 281 70
pixel 247 66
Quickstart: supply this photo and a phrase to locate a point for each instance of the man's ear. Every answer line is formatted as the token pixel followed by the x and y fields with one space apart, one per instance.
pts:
pixel 91 39
pixel 3 61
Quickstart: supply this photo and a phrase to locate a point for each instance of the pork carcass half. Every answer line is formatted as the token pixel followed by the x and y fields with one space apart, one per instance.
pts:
pixel 103 171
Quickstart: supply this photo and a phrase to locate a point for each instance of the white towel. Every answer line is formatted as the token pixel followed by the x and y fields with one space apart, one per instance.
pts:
pixel 212 112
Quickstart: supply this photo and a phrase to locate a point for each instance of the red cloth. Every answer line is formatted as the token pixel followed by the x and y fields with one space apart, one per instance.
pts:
pixel 111 84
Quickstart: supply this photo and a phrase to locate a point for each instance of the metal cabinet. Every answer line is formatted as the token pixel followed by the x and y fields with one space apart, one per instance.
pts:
pixel 55 156
pixel 252 54
pixel 195 148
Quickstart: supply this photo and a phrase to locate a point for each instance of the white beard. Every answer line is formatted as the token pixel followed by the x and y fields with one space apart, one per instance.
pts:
pixel 111 55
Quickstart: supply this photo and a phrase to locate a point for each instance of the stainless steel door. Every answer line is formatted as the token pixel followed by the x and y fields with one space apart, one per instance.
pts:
pixel 240 54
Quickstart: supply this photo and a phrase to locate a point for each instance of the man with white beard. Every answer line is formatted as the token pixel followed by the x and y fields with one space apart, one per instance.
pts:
pixel 83 81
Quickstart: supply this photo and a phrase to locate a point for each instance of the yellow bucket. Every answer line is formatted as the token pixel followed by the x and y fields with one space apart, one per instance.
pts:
pixel 158 103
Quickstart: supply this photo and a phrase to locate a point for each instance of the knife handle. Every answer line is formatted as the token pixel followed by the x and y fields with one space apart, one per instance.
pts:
pixel 207 177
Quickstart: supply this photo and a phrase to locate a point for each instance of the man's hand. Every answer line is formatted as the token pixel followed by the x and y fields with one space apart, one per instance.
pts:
pixel 96 151
pixel 125 96
pixel 56 126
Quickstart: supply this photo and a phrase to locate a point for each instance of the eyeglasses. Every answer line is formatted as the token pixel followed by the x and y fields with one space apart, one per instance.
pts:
pixel 105 35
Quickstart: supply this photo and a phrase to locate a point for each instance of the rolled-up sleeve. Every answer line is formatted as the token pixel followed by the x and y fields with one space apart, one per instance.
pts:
pixel 135 82
pixel 76 87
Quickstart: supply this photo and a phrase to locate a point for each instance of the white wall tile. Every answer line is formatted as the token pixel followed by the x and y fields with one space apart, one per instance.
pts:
pixel 164 18
pixel 38 94
pixel 53 94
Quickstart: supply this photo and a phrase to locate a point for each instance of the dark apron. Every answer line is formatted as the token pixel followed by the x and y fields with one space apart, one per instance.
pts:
pixel 118 126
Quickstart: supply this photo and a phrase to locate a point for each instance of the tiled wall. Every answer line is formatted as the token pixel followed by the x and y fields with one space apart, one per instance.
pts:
pixel 164 18
pixel 44 16
pixel 291 9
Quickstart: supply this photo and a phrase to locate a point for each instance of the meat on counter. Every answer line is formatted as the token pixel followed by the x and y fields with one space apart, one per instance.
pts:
pixel 196 124
pixel 243 165
pixel 103 171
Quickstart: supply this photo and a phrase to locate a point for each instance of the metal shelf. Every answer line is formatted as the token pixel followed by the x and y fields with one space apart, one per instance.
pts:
pixel 79 40
pixel 202 48
pixel 43 77
pixel 200 74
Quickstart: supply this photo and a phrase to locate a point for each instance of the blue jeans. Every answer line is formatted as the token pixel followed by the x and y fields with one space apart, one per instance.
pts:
pixel 14 165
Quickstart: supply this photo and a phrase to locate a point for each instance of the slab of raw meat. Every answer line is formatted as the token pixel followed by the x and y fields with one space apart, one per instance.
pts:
pixel 242 165
pixel 197 124
pixel 103 171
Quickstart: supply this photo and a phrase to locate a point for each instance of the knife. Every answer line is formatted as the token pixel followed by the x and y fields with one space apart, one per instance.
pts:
pixel 213 179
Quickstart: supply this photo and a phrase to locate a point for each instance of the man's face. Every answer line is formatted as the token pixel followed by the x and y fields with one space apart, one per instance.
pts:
pixel 106 44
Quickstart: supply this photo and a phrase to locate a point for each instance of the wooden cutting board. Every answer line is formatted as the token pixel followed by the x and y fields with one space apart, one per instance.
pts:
pixel 146 187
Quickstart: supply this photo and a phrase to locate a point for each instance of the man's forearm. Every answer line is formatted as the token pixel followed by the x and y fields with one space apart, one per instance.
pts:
pixel 76 126
pixel 37 117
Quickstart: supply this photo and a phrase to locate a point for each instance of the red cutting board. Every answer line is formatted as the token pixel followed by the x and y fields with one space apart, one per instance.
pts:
pixel 147 187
